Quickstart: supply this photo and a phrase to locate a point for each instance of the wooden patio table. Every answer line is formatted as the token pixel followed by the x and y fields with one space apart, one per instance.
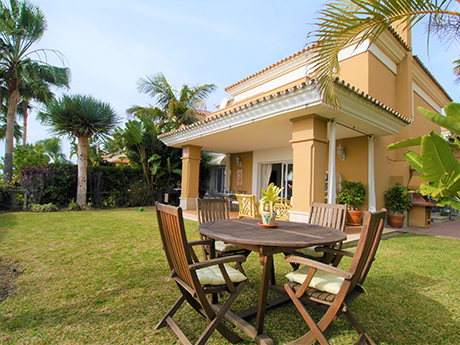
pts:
pixel 246 233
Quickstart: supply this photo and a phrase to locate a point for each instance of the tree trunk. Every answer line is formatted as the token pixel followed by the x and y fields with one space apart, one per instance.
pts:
pixel 24 130
pixel 82 171
pixel 13 100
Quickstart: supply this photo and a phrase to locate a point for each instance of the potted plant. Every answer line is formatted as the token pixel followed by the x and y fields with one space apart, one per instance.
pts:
pixel 353 194
pixel 397 200
pixel 269 198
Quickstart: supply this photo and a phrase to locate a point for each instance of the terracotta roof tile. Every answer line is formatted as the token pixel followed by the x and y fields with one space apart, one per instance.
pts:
pixel 274 94
pixel 427 71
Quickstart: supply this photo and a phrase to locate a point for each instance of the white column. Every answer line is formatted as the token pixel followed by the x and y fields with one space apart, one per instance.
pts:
pixel 331 183
pixel 227 172
pixel 371 174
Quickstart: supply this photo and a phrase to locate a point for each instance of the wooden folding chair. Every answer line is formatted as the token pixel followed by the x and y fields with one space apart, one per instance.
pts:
pixel 216 209
pixel 330 289
pixel 196 280
pixel 332 216
pixel 247 206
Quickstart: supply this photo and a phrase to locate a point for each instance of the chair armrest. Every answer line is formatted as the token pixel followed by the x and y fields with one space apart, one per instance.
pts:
pixel 200 243
pixel 318 265
pixel 334 251
pixel 217 261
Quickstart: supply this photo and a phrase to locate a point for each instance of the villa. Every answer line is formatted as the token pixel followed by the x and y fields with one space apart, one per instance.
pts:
pixel 275 128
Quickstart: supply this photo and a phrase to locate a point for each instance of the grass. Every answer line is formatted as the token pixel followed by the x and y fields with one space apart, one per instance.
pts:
pixel 100 277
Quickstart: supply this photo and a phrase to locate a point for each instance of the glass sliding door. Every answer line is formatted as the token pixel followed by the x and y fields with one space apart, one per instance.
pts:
pixel 278 173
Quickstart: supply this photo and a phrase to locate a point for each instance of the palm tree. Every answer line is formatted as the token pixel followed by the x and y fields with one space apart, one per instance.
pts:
pixel 177 107
pixel 348 22
pixel 81 117
pixel 36 86
pixel 21 25
pixel 53 148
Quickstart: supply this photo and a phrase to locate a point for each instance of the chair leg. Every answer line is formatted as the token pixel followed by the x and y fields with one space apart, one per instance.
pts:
pixel 363 336
pixel 216 319
pixel 315 333
pixel 171 312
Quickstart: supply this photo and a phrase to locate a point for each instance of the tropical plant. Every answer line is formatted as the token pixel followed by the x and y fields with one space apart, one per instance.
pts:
pixel 53 148
pixel 176 107
pixel 269 198
pixel 344 23
pixel 81 117
pixel 21 25
pixel 397 199
pixel 36 87
pixel 436 162
pixel 353 193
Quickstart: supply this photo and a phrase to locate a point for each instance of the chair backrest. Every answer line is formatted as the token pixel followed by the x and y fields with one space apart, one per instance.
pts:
pixel 367 246
pixel 282 210
pixel 247 205
pixel 172 231
pixel 332 216
pixel 211 209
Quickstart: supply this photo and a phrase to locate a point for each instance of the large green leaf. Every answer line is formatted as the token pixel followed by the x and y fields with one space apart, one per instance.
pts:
pixel 405 143
pixel 414 160
pixel 437 158
pixel 449 123
pixel 453 111
pixel 453 202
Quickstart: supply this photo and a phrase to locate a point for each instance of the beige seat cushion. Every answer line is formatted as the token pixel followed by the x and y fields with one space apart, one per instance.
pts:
pixel 310 251
pixel 212 275
pixel 225 247
pixel 323 281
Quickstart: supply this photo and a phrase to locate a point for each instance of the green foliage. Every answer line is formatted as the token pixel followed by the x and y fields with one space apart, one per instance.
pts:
pixel 21 26
pixel 352 193
pixel 62 187
pixel 397 199
pixel 11 197
pixel 43 208
pixel 436 162
pixel 78 116
pixel 73 206
pixel 33 155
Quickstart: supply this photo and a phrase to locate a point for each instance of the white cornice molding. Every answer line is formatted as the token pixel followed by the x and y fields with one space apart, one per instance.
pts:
pixel 271 106
pixel 296 63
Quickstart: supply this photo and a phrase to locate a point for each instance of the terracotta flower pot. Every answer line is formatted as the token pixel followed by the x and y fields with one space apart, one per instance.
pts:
pixel 354 217
pixel 396 220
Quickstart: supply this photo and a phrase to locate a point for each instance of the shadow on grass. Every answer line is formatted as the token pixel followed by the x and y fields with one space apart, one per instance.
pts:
pixel 7 221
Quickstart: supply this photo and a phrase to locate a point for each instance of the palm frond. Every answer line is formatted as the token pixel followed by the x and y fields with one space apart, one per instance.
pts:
pixel 344 23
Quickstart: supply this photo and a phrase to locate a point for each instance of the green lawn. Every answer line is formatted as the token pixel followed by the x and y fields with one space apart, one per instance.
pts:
pixel 100 277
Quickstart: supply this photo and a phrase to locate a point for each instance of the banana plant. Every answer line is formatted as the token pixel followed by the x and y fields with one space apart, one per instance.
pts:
pixel 158 171
pixel 436 162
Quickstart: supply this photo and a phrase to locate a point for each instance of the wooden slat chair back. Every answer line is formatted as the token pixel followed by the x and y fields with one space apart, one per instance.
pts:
pixel 193 279
pixel 332 216
pixel 212 209
pixel 247 204
pixel 348 284
pixel 217 209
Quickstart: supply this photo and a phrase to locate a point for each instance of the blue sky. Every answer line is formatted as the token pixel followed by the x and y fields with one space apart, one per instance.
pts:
pixel 110 44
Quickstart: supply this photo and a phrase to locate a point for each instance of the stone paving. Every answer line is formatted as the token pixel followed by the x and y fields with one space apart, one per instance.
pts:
pixel 447 229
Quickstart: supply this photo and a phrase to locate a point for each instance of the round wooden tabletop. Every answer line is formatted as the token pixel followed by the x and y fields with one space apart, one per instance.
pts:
pixel 287 234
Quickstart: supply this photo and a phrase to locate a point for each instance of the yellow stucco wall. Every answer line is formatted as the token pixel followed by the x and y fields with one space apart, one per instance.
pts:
pixel 246 167
pixel 355 70
pixel 384 85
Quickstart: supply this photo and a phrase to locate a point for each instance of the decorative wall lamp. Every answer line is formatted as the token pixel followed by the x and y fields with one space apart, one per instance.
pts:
pixel 238 161
pixel 341 152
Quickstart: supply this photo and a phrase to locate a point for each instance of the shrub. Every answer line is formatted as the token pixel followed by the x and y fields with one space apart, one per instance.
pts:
pixel 43 208
pixel 352 193
pixel 397 199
